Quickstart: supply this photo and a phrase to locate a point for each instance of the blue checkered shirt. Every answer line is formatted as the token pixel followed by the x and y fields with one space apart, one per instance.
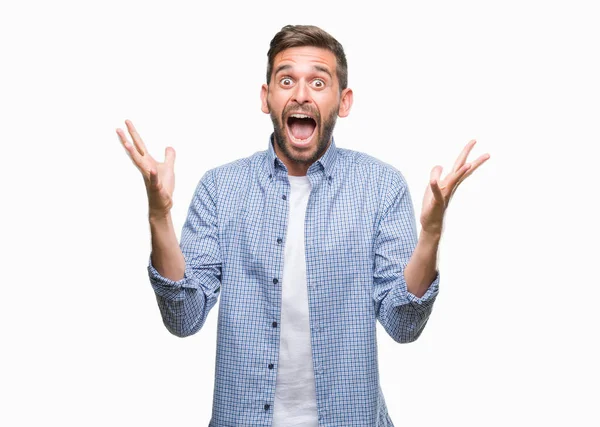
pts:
pixel 359 235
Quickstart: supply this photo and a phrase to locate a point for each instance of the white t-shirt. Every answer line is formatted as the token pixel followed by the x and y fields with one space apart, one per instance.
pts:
pixel 295 402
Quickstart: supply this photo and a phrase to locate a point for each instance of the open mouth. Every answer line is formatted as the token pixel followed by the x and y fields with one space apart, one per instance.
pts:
pixel 300 128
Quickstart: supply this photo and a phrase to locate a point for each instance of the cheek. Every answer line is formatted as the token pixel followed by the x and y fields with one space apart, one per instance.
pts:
pixel 276 104
pixel 326 103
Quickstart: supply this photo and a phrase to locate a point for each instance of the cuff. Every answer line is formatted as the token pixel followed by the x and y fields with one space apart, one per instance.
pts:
pixel 422 304
pixel 431 291
pixel 156 279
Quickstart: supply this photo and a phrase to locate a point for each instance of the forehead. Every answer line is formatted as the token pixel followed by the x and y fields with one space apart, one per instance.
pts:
pixel 305 57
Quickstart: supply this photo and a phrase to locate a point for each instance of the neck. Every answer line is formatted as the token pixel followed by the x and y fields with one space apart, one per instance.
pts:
pixel 294 168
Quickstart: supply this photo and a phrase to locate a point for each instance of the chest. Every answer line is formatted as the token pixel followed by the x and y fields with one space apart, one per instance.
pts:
pixel 338 223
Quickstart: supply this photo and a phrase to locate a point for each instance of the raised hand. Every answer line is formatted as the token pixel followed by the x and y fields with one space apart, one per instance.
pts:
pixel 439 192
pixel 158 177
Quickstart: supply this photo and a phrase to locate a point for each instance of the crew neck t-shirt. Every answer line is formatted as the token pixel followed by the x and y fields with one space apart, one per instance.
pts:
pixel 295 397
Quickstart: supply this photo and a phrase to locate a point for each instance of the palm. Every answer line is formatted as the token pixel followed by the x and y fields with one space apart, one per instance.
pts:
pixel 159 177
pixel 440 191
pixel 160 190
pixel 166 176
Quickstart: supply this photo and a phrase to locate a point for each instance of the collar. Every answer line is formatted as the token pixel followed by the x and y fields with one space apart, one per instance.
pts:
pixel 326 162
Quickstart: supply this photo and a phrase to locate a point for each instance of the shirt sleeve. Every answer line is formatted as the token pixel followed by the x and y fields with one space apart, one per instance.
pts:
pixel 185 304
pixel 402 314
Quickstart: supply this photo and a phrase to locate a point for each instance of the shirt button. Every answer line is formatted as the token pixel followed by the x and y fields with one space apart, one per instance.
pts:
pixel 274 324
pixel 275 281
pixel 270 366
pixel 280 240
pixel 267 406
pixel 284 197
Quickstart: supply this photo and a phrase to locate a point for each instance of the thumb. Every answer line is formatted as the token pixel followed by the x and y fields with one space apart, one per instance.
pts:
pixel 435 174
pixel 170 156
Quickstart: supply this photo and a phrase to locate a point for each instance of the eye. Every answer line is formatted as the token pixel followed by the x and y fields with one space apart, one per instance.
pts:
pixel 318 84
pixel 286 82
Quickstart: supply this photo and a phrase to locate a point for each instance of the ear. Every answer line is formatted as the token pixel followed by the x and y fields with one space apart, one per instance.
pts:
pixel 345 102
pixel 264 92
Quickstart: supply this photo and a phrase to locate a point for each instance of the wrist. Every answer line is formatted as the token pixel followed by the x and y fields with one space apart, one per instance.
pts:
pixel 159 217
pixel 431 235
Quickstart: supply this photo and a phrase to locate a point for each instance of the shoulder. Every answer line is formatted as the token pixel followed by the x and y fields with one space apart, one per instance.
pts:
pixel 227 182
pixel 239 166
pixel 236 172
pixel 360 163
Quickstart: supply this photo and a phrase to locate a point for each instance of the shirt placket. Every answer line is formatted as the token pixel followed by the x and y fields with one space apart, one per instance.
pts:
pixel 311 235
pixel 278 192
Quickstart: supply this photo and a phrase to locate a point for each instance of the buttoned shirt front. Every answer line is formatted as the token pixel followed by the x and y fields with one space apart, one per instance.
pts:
pixel 360 233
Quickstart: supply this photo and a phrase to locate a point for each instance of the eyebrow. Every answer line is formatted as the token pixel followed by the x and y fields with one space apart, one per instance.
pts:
pixel 316 67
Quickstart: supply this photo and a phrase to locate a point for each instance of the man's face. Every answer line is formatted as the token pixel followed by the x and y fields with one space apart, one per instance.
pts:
pixel 303 99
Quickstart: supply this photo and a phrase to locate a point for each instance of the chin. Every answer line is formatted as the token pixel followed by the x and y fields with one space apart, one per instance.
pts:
pixel 306 155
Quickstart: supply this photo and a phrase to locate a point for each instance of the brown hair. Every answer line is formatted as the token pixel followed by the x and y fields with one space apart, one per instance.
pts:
pixel 308 35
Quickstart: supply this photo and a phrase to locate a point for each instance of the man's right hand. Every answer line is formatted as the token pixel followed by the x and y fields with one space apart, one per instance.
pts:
pixel 158 177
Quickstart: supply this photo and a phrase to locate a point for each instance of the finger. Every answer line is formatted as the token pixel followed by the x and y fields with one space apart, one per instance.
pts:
pixel 479 161
pixel 465 170
pixel 437 192
pixel 436 173
pixel 462 158
pixel 133 154
pixel 474 165
pixel 170 156
pixel 455 178
pixel 137 139
pixel 122 137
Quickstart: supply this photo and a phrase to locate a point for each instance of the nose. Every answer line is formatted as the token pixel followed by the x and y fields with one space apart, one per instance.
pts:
pixel 301 94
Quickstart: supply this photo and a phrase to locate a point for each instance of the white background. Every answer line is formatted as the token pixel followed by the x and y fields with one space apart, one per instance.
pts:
pixel 514 333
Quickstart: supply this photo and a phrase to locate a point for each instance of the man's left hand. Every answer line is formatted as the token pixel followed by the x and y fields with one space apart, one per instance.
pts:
pixel 439 192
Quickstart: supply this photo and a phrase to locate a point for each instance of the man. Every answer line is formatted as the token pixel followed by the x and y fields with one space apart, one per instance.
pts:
pixel 307 245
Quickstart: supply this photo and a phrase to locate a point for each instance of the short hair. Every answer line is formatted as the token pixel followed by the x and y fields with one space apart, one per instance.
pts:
pixel 308 35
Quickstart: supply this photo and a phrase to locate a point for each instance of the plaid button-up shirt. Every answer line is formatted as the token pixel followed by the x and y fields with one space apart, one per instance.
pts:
pixel 360 232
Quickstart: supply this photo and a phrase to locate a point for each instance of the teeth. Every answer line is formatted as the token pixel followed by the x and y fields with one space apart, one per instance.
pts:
pixel 300 116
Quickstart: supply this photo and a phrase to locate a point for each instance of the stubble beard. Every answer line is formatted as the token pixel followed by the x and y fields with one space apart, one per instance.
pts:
pixel 323 136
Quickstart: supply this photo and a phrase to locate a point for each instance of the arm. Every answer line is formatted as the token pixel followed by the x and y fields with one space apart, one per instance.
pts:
pixel 185 303
pixel 421 270
pixel 422 267
pixel 399 260
pixel 166 254
pixel 186 276
pixel 405 291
